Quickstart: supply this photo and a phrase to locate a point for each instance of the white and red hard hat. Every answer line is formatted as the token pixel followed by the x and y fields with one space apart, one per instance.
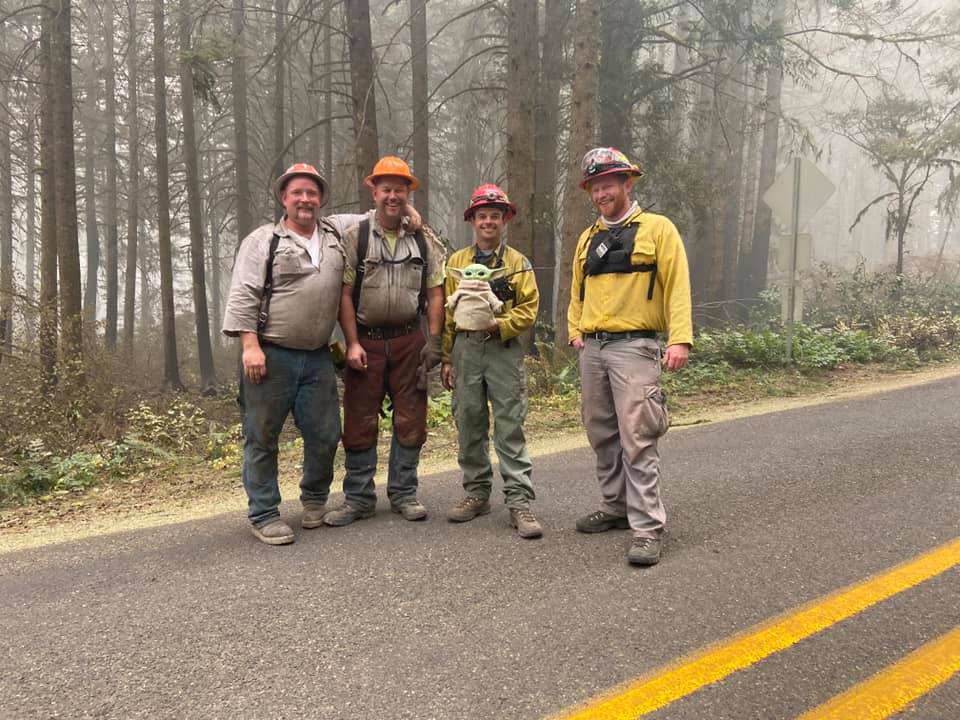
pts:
pixel 490 194
pixel 305 170
pixel 606 161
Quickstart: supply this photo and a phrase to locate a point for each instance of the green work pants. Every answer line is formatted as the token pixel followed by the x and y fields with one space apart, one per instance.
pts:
pixel 488 371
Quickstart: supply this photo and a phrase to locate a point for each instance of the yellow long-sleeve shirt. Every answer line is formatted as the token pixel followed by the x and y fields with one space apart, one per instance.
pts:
pixel 617 302
pixel 515 317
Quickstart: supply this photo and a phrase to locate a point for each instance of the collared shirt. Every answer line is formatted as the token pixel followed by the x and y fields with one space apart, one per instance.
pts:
pixel 514 318
pixel 617 302
pixel 391 281
pixel 306 294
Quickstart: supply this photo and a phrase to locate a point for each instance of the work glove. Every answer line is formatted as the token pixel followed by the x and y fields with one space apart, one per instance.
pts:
pixel 430 354
pixel 422 378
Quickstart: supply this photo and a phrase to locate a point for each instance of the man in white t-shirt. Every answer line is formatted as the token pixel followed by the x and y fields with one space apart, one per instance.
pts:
pixel 285 327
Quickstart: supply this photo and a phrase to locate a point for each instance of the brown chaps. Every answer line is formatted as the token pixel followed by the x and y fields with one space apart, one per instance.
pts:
pixel 391 371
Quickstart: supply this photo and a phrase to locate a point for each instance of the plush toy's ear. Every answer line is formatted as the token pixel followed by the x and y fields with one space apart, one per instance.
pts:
pixel 455 272
pixel 497 272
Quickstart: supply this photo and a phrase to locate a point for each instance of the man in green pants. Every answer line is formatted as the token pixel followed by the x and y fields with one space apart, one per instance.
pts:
pixel 486 366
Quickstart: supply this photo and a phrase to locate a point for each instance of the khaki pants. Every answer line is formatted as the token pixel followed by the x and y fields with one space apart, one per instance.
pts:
pixel 624 413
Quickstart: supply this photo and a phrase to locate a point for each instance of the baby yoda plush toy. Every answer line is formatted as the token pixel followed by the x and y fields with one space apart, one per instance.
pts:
pixel 474 303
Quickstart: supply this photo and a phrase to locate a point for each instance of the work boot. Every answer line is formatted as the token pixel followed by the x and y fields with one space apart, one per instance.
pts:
pixel 599 521
pixel 525 523
pixel 346 514
pixel 274 532
pixel 313 513
pixel 410 508
pixel 644 551
pixel 468 508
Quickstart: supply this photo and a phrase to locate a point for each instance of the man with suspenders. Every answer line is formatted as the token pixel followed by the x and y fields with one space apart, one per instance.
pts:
pixel 630 283
pixel 393 276
pixel 282 305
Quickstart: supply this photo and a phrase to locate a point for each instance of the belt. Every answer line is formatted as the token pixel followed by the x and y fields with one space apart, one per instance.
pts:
pixel 387 332
pixel 628 335
pixel 481 335
pixel 484 336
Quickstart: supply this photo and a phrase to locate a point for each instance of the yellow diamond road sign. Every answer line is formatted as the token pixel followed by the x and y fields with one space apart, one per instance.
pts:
pixel 815 190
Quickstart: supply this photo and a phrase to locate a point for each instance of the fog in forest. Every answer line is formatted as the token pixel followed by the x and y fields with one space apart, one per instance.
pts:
pixel 138 141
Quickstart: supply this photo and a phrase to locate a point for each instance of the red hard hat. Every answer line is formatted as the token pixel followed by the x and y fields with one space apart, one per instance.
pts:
pixel 306 170
pixel 490 194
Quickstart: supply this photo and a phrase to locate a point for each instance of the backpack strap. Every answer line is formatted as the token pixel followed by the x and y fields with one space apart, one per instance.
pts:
pixel 422 249
pixel 330 228
pixel 363 242
pixel 264 314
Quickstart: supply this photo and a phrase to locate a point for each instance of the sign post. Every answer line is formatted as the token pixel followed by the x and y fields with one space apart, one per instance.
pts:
pixel 795 197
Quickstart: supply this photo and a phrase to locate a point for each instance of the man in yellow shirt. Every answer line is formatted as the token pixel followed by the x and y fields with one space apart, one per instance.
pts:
pixel 630 283
pixel 486 366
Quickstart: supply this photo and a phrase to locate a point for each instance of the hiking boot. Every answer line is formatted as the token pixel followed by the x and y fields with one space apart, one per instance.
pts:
pixel 313 515
pixel 599 521
pixel 644 551
pixel 346 514
pixel 468 508
pixel 410 508
pixel 525 523
pixel 274 532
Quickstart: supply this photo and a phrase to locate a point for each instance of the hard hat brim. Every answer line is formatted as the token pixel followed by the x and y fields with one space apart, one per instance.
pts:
pixel 371 180
pixel 511 209
pixel 280 182
pixel 629 172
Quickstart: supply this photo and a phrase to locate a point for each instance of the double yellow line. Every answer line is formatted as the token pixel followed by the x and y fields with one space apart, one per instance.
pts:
pixel 689 674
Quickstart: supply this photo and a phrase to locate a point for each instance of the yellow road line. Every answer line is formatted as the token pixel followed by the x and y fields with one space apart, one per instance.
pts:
pixel 690 673
pixel 892 689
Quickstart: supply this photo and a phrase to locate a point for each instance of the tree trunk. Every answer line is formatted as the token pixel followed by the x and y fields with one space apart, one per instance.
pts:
pixel 617 76
pixel 133 180
pixel 208 380
pixel 421 111
pixel 6 230
pixel 734 109
pixel 327 93
pixel 68 250
pixel 91 121
pixel 48 210
pixel 363 88
pixel 30 271
pixel 583 98
pixel 241 148
pixel 522 74
pixel 110 221
pixel 546 123
pixel 171 370
pixel 760 247
pixel 677 122
pixel 216 276
pixel 279 134
pixel 146 298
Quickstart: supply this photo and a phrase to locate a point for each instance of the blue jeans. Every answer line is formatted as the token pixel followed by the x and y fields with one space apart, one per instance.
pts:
pixel 301 381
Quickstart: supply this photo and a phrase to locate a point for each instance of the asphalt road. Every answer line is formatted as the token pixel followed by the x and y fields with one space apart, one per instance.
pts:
pixel 389 619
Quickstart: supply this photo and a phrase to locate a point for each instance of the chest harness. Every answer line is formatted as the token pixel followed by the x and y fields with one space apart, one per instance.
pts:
pixel 610 251
pixel 363 243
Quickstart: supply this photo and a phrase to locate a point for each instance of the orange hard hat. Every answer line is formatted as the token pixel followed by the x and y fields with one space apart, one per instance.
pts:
pixel 490 194
pixel 306 170
pixel 393 166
